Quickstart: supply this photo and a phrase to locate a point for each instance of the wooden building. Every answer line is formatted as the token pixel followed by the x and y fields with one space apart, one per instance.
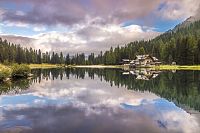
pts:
pixel 144 61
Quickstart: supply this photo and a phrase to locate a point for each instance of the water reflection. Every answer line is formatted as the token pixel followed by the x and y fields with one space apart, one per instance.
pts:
pixel 15 86
pixel 95 100
pixel 142 73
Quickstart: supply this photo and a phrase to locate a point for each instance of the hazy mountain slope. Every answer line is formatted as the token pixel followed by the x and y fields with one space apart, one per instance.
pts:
pixel 181 44
pixel 187 22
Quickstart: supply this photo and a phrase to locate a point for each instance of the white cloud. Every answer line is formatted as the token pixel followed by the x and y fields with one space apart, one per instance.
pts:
pixel 177 9
pixel 16 24
pixel 20 13
pixel 134 28
pixel 2 11
pixel 88 37
pixel 91 38
pixel 51 12
pixel 39 29
pixel 0 29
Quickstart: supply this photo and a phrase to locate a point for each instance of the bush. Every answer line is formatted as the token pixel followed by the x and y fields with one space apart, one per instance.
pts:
pixel 5 72
pixel 21 70
pixel 7 63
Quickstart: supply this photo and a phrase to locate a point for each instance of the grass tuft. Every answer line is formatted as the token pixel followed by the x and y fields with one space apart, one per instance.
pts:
pixel 5 72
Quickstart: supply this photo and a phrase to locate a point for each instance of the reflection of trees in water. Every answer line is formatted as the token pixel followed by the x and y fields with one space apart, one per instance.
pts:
pixel 14 86
pixel 182 87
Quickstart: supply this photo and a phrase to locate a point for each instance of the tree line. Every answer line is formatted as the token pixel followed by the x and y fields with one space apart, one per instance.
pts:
pixel 181 45
pixel 12 53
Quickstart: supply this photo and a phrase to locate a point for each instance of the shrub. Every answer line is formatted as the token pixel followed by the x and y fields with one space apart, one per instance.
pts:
pixel 7 63
pixel 5 72
pixel 21 70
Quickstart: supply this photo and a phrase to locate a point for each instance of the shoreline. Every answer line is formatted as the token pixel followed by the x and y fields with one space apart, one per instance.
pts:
pixel 177 67
pixel 47 66
pixel 96 66
pixel 161 67
pixel 22 70
pixel 43 66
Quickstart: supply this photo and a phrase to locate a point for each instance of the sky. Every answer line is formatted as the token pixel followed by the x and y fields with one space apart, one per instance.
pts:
pixel 76 26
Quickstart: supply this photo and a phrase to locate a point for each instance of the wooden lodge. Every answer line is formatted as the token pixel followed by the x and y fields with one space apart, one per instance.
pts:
pixel 143 61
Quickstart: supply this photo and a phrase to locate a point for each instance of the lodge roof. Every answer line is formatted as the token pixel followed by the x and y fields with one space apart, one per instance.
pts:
pixel 125 60
pixel 143 57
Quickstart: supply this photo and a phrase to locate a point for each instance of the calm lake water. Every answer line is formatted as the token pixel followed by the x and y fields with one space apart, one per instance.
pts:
pixel 102 100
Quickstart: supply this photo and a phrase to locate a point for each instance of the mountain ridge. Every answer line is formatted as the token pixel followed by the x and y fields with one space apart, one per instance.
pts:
pixel 187 22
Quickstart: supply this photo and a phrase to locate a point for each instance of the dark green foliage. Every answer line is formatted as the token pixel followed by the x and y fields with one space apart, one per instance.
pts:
pixel 67 60
pixel 141 51
pixel 78 59
pixel 21 70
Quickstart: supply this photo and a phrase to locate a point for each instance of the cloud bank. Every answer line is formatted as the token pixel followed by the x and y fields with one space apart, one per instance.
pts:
pixel 67 12
pixel 85 38
pixel 90 25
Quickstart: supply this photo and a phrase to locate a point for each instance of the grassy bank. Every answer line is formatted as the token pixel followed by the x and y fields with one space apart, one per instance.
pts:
pixel 14 71
pixel 161 67
pixel 23 70
pixel 44 66
pixel 177 67
pixel 97 66
pixel 5 72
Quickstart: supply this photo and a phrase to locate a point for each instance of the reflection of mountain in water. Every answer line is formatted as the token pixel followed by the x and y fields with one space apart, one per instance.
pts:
pixel 143 73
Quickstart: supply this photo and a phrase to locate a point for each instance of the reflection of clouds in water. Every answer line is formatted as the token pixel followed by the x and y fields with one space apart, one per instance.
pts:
pixel 181 121
pixel 167 115
pixel 73 119
pixel 39 101
pixel 88 91
pixel 83 103
pixel 1 114
pixel 1 110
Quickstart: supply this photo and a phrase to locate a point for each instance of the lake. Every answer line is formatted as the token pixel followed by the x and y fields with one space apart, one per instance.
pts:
pixel 80 100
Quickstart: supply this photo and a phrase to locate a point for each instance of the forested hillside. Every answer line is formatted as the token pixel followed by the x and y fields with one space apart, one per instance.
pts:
pixel 181 45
